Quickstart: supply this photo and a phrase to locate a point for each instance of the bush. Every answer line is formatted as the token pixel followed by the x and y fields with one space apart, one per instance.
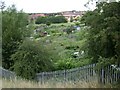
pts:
pixel 40 20
pixel 31 58
pixel 51 19
pixel 69 29
pixel 48 23
pixel 66 63
pixel 77 23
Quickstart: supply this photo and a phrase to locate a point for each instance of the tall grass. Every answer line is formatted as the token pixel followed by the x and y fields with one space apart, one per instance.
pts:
pixel 22 83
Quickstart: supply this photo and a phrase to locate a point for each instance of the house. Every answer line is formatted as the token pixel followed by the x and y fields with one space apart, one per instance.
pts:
pixel 34 16
pixel 67 14
pixel 72 14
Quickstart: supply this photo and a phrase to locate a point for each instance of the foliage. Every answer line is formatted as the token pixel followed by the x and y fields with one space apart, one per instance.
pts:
pixel 31 58
pixel 2 5
pixel 104 33
pixel 51 19
pixel 69 29
pixel 14 30
pixel 71 19
pixel 77 23
pixel 41 20
pixel 65 64
pixel 83 34
pixel 48 23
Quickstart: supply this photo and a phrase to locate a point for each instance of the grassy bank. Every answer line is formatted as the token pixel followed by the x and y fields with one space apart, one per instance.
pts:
pixel 21 83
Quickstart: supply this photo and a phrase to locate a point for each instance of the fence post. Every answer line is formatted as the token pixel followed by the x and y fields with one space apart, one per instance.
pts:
pixel 65 75
pixel 43 78
pixel 103 76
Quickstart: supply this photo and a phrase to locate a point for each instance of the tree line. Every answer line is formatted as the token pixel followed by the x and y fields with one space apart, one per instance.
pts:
pixel 50 19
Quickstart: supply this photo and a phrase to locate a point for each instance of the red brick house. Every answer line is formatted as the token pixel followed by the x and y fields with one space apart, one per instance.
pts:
pixel 36 15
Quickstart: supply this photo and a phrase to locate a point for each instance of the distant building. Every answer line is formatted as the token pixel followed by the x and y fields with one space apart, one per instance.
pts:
pixel 67 14
pixel 34 16
pixel 72 14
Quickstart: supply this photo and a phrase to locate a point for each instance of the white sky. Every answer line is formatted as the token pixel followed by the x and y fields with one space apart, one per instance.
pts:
pixel 47 6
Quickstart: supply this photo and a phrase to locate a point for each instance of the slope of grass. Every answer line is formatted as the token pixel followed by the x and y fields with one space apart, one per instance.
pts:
pixel 21 83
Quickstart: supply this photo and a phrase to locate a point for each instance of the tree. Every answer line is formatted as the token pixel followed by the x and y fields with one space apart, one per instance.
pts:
pixel 60 19
pixel 31 58
pixel 104 34
pixel 14 30
pixel 41 20
pixel 2 6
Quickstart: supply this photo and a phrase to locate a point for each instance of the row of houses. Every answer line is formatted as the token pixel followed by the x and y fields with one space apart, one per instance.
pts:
pixel 67 14
pixel 72 14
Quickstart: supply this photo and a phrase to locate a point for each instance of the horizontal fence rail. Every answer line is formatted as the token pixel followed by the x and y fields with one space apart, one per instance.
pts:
pixel 85 73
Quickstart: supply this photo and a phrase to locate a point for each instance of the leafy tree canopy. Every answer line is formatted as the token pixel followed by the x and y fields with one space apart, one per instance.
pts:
pixel 14 30
pixel 104 33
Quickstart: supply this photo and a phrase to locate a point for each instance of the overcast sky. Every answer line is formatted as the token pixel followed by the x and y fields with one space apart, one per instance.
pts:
pixel 47 6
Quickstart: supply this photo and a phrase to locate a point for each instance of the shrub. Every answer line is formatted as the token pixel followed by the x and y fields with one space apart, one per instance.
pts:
pixel 40 20
pixel 66 63
pixel 52 19
pixel 31 58
pixel 77 23
pixel 48 23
